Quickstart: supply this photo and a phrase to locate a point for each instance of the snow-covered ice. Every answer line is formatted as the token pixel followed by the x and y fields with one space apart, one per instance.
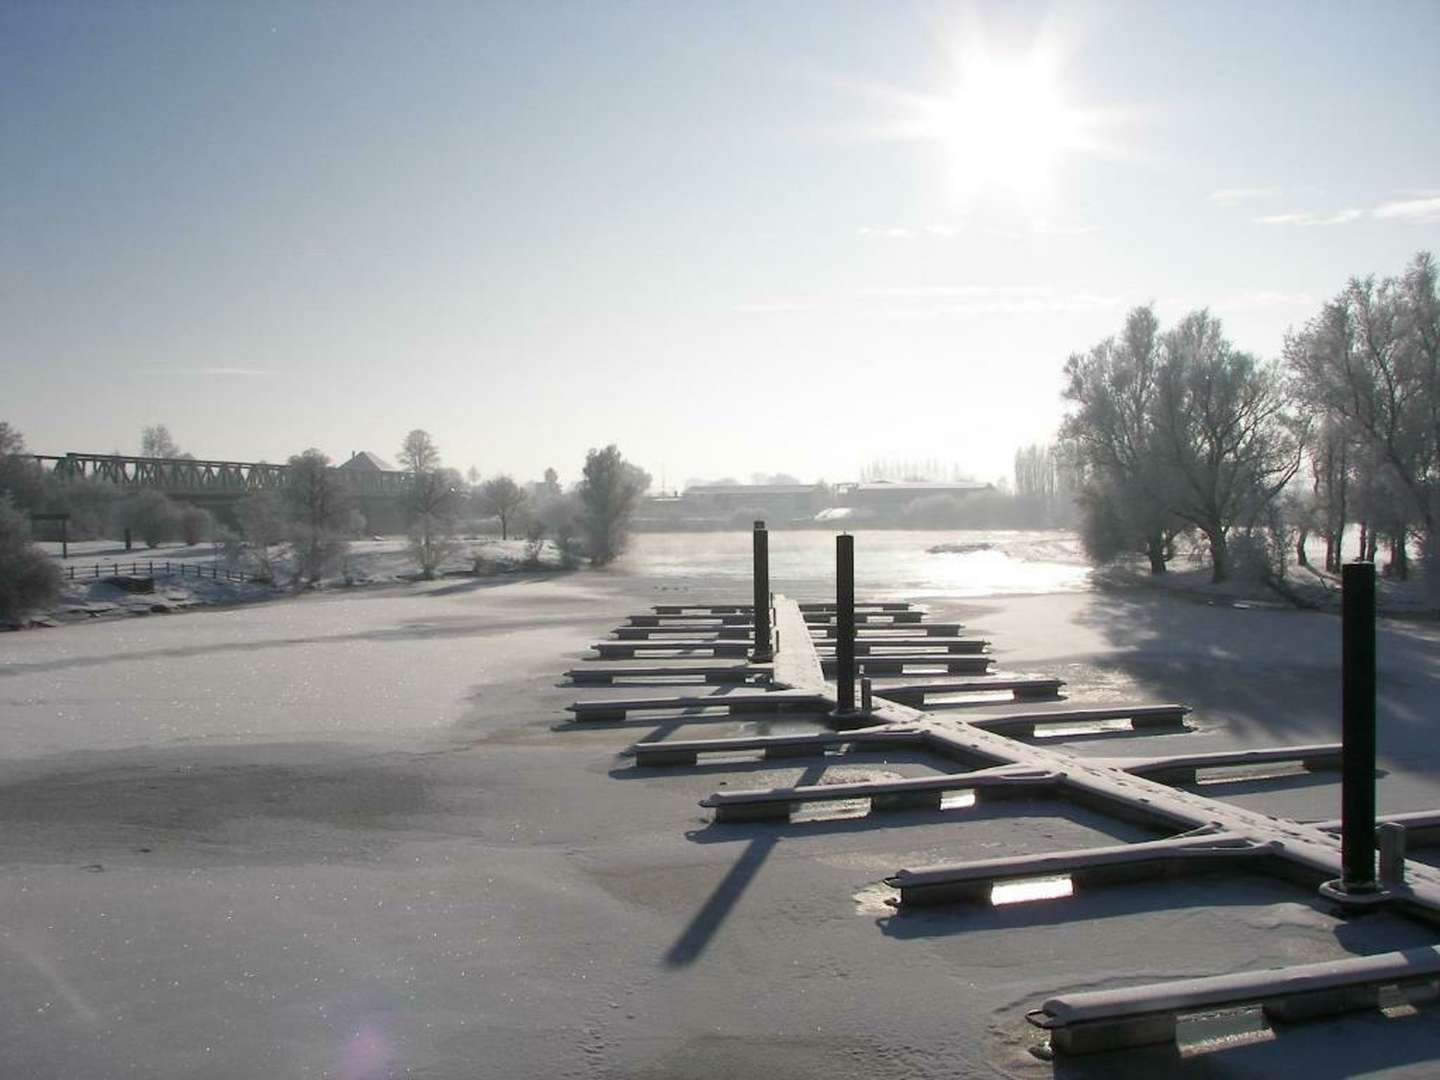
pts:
pixel 348 834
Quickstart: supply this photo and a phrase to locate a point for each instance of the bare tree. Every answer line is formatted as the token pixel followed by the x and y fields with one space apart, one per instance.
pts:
pixel 504 498
pixel 434 500
pixel 155 442
pixel 418 452
pixel 320 514
pixel 11 441
pixel 431 504
pixel 609 493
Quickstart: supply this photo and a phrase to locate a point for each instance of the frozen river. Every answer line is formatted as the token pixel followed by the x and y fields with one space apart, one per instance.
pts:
pixel 348 834
pixel 888 563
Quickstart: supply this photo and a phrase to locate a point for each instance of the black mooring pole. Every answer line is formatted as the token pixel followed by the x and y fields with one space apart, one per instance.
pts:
pixel 844 624
pixel 763 653
pixel 1357 795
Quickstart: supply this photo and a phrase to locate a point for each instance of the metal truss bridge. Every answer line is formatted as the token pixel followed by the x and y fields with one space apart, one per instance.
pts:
pixel 189 478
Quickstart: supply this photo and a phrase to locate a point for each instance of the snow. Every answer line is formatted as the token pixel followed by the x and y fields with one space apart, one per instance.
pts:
pixel 349 833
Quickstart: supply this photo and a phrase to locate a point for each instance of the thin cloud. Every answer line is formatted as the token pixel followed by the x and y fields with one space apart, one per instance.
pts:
pixel 1230 196
pixel 1265 299
pixel 1342 217
pixel 906 232
pixel 779 308
pixel 213 371
pixel 1043 227
pixel 891 233
pixel 1426 210
pixel 966 301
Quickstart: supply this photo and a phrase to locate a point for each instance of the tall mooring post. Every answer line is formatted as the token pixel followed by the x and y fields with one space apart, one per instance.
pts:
pixel 1357 798
pixel 844 624
pixel 764 651
pixel 1356 888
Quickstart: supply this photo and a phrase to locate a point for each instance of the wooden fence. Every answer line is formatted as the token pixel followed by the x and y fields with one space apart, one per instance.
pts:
pixel 150 568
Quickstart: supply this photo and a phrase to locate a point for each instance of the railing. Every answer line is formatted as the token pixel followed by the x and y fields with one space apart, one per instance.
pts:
pixel 214 571
pixel 194 477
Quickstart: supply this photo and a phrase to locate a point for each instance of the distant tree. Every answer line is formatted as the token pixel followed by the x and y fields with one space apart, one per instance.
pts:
pixel 561 518
pixel 195 524
pixel 434 502
pixel 20 475
pixel 1224 431
pixel 551 483
pixel 472 475
pixel 155 442
pixel 609 492
pixel 418 452
pixel 319 508
pixel 534 542
pixel 263 526
pixel 505 499
pixel 29 579
pixel 89 502
pixel 11 441
pixel 151 516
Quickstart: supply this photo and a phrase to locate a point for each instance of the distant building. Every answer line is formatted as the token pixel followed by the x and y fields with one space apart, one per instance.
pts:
pixel 365 461
pixel 784 501
pixel 892 496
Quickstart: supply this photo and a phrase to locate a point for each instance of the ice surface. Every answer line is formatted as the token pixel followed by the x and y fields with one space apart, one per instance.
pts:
pixel 351 834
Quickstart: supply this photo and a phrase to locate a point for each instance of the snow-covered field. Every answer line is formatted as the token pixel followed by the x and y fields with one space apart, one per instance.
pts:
pixel 348 834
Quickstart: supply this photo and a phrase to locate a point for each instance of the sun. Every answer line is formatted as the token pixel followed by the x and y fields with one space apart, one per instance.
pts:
pixel 1006 124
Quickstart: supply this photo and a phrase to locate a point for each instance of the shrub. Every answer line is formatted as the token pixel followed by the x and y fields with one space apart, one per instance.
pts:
pixel 152 517
pixel 195 524
pixel 29 579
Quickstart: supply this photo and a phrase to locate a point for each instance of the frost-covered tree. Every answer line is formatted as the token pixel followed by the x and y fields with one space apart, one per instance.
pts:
pixel 29 579
pixel 20 476
pixel 195 524
pixel 152 516
pixel 263 527
pixel 1371 362
pixel 434 501
pixel 418 452
pixel 320 513
pixel 431 504
pixel 505 499
pixel 155 442
pixel 609 491
pixel 1125 498
pixel 1224 431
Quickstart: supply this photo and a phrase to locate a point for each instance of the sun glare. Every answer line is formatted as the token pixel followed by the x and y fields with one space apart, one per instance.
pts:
pixel 1005 125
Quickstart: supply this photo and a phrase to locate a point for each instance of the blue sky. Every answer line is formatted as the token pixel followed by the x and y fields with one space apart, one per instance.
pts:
pixel 733 238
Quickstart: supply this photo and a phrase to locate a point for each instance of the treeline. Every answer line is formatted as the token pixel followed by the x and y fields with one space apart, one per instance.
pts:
pixel 308 525
pixel 1176 433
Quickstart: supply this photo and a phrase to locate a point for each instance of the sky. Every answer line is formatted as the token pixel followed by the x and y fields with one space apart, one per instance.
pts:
pixel 732 238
